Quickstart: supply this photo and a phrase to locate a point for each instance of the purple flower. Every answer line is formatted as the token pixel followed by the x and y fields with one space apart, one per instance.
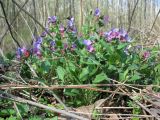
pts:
pixel 39 40
pixel 22 52
pixel 44 33
pixel 18 53
pixel 146 55
pixel 61 28
pixel 72 19
pixel 74 30
pixel 37 46
pixel 52 43
pixel 73 47
pixel 97 12
pixel 116 33
pixel 71 23
pixel 52 19
pixel 90 48
pixel 65 45
pixel 87 42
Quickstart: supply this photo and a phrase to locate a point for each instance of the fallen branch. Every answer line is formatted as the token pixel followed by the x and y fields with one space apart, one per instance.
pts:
pixel 21 100
pixel 54 87
pixel 146 109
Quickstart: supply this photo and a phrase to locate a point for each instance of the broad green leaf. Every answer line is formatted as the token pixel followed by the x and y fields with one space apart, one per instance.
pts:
pixel 135 77
pixel 35 118
pixel 108 47
pixel 122 45
pixel 70 92
pixel 23 108
pixel 133 67
pixel 92 70
pixel 61 72
pixel 122 76
pixel 83 75
pixel 11 118
pixel 100 77
pixel 72 66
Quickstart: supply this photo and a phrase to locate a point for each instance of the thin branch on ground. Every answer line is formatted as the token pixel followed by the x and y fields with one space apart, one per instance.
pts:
pixel 59 87
pixel 21 100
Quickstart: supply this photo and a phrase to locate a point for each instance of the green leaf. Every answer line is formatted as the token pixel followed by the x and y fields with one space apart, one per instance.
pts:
pixel 83 75
pixel 123 75
pixel 7 112
pixel 35 118
pixel 61 72
pixel 23 108
pixel 72 66
pixel 46 66
pixel 122 45
pixel 70 92
pixel 11 118
pixel 135 77
pixel 100 77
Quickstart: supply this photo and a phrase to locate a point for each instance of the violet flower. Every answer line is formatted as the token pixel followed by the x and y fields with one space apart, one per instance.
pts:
pixel 97 12
pixel 37 46
pixel 61 28
pixel 52 19
pixel 90 48
pixel 44 33
pixel 65 45
pixel 18 53
pixel 146 55
pixel 22 52
pixel 52 45
pixel 71 23
pixel 116 33
pixel 87 42
pixel 73 47
pixel 89 45
pixel 74 30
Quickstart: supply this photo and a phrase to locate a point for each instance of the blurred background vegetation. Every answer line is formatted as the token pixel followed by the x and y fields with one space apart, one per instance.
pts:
pixel 139 17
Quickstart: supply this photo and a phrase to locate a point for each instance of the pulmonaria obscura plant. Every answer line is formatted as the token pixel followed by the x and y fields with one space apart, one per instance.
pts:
pixel 91 56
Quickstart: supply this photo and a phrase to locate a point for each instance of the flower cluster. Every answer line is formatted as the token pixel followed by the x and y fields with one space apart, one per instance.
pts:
pixel 52 19
pixel 22 52
pixel 59 29
pixel 37 46
pixel 116 33
pixel 71 25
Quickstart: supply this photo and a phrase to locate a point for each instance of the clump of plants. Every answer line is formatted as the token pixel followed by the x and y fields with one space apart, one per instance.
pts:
pixel 62 55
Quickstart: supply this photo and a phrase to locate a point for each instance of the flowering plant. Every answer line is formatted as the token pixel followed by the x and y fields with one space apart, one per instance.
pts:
pixel 89 57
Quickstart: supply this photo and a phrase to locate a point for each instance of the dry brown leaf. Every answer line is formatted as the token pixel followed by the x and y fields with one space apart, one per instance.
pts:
pixel 113 117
